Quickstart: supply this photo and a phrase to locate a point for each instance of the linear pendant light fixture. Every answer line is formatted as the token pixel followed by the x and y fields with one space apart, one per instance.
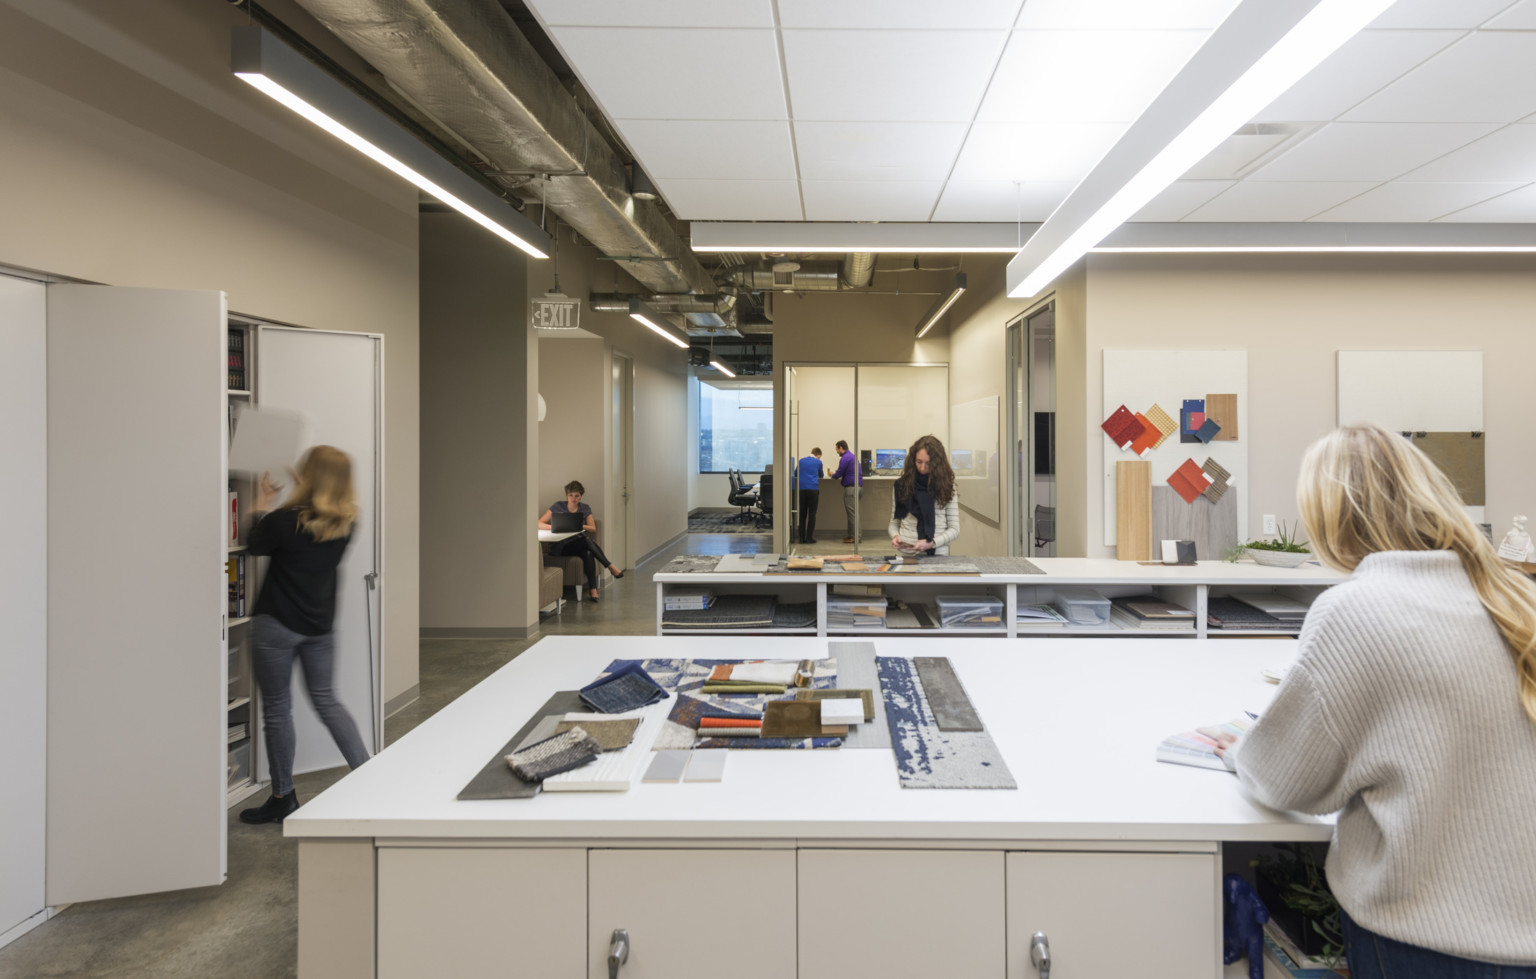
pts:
pixel 722 368
pixel 648 317
pixel 942 305
pixel 293 80
pixel 1261 50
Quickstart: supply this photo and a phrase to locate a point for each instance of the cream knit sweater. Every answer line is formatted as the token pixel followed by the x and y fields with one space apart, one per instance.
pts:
pixel 1402 713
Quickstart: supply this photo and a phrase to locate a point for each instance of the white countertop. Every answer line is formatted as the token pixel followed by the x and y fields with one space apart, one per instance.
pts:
pixel 1078 723
pixel 1065 571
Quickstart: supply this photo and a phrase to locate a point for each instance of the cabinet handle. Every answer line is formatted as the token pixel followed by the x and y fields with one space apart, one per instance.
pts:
pixel 618 951
pixel 1040 954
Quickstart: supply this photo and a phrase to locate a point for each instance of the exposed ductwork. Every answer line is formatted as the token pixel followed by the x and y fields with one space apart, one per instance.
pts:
pixel 468 66
pixel 858 269
pixel 804 277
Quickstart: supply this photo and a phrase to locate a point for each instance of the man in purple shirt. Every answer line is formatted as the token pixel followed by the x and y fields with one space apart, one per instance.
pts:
pixel 853 487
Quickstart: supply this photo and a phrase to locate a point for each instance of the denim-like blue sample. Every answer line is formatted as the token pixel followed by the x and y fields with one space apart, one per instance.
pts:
pixel 627 688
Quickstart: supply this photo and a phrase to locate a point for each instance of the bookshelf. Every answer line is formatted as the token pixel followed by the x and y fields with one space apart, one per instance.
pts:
pixel 242 720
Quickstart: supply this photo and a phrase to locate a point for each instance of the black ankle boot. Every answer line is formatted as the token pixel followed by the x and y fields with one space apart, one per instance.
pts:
pixel 274 810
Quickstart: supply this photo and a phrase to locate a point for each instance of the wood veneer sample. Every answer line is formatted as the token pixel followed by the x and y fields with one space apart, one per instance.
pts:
pixel 1222 409
pixel 797 719
pixel 1133 511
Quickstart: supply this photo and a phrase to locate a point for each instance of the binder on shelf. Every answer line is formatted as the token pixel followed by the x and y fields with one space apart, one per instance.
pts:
pixel 234 517
pixel 236 571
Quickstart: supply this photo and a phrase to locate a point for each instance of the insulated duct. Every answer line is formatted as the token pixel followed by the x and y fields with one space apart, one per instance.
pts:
pixel 467 65
pixel 808 277
pixel 858 269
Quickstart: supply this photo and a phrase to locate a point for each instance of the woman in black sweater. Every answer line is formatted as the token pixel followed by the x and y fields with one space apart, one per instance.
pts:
pixel 305 538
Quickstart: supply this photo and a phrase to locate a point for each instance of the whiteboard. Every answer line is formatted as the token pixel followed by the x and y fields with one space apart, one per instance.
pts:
pixel 1140 378
pixel 973 428
pixel 1412 390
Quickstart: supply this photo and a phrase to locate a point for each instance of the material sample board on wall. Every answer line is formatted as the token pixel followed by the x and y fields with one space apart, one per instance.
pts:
pixel 1139 379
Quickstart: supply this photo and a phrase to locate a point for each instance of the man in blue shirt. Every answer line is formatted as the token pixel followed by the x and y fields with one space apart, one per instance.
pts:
pixel 853 485
pixel 808 481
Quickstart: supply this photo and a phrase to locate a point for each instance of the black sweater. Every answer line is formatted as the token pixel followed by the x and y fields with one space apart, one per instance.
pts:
pixel 300 587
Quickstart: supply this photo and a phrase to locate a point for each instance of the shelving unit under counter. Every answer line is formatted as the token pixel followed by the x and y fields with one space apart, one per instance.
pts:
pixel 1188 586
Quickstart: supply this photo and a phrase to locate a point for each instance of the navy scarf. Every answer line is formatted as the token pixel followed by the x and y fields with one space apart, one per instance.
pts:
pixel 920 504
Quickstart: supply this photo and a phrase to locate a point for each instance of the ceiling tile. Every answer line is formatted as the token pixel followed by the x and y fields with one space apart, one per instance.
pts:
pixel 1367 63
pixel 637 73
pixel 897 14
pixel 868 200
pixel 1124 14
pixel 1242 150
pixel 1438 13
pixel 894 76
pixel 1254 201
pixel 1369 150
pixel 1000 200
pixel 1034 153
pixel 1508 155
pixel 1520 17
pixel 1412 202
pixel 1516 206
pixel 1084 76
pixel 1179 198
pixel 654 13
pixel 733 200
pixel 877 150
pixel 739 150
pixel 1484 77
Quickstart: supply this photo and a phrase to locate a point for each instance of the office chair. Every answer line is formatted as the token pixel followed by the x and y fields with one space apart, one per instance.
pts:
pixel 765 499
pixel 1045 525
pixel 739 497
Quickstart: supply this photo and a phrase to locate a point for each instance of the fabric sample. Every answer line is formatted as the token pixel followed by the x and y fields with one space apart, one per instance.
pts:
pixel 771 671
pixel 610 735
pixel 495 779
pixel 727 612
pixel 1148 439
pixel 867 696
pixel 1189 481
pixel 927 758
pixel 1219 479
pixel 1222 409
pixel 1460 456
pixel 1165 425
pixel 1191 417
pixel 1207 431
pixel 1122 427
pixel 709 722
pixel 561 753
pixel 796 719
pixel 627 689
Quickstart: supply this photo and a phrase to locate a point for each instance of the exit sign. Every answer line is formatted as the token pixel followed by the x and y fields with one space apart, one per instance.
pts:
pixel 555 314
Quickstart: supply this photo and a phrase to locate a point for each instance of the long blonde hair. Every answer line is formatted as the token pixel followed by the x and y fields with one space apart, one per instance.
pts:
pixel 1365 489
pixel 323 494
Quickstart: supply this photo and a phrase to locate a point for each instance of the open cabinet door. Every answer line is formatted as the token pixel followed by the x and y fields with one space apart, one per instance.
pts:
pixel 335 380
pixel 137 501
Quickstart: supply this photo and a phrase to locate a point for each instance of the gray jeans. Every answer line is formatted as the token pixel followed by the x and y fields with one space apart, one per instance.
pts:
pixel 276 647
pixel 851 494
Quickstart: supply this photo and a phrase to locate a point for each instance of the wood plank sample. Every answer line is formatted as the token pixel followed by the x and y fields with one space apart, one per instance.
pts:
pixel 1133 510
pixel 1222 409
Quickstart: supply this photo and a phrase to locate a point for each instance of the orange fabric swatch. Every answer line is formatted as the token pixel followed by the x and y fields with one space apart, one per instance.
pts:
pixel 1189 481
pixel 1147 440
pixel 730 722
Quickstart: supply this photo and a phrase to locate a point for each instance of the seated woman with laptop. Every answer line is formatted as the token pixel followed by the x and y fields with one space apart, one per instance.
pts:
pixel 571 516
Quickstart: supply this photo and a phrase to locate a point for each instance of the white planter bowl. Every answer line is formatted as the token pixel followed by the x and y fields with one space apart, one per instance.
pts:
pixel 1279 559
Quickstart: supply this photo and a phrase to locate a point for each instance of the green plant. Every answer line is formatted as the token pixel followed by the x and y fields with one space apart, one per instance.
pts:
pixel 1299 880
pixel 1284 541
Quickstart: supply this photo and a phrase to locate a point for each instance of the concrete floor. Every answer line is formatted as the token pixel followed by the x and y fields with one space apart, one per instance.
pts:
pixel 248 926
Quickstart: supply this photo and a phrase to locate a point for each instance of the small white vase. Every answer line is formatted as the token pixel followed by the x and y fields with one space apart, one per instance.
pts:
pixel 1279 559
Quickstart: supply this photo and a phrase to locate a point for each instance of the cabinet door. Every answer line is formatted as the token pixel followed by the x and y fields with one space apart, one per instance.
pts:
pixel 137 497
pixel 901 913
pixel 693 914
pixel 469 913
pixel 1152 915
pixel 334 380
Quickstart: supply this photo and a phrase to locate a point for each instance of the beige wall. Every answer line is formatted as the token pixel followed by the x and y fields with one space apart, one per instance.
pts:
pixel 573 374
pixel 479 433
pixel 133 157
pixel 661 460
pixel 1293 314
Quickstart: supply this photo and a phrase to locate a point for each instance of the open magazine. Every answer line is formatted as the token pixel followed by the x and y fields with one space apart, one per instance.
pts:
pixel 1198 747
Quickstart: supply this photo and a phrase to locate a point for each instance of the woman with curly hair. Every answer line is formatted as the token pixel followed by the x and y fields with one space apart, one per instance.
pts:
pixel 927 512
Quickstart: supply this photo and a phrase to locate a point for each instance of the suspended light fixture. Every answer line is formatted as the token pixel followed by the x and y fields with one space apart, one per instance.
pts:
pixel 641 186
pixel 942 305
pixel 651 319
pixel 280 72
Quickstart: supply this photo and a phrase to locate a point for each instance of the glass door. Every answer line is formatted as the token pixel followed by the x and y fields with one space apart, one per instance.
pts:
pixel 1032 432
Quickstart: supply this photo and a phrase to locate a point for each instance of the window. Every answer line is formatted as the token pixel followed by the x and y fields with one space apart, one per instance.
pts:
pixel 735 429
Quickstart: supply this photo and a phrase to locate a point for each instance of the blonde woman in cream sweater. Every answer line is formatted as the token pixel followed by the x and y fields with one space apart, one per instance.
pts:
pixel 1411 712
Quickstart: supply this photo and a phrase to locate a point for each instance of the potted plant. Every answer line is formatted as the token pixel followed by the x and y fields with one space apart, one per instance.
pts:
pixel 1285 551
pixel 1294 889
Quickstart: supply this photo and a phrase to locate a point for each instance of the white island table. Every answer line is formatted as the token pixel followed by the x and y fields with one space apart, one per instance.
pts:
pixel 806 863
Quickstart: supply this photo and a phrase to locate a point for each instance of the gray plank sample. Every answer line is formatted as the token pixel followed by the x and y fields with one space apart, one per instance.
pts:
pixel 952 709
pixel 856 670
pixel 496 780
pixel 1212 526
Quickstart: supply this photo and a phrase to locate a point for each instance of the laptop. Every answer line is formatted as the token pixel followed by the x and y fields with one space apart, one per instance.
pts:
pixel 567 523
